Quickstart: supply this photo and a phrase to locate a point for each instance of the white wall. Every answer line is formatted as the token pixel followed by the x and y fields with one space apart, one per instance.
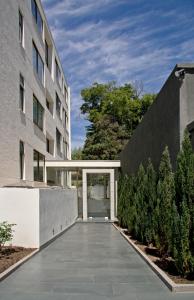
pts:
pixel 21 207
pixel 36 212
pixel 58 210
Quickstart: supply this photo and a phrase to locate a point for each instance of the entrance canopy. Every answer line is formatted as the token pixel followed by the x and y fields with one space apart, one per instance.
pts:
pixel 89 167
pixel 75 164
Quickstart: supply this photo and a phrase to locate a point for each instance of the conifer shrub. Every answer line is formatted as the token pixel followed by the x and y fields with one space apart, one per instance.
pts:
pixel 157 207
pixel 165 195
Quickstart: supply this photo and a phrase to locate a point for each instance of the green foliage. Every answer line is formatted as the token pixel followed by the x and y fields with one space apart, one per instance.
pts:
pixel 76 154
pixel 6 233
pixel 158 207
pixel 165 194
pixel 113 112
pixel 151 224
pixel 185 172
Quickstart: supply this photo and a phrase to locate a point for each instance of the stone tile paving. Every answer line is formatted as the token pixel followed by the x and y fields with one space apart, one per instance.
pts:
pixel 88 262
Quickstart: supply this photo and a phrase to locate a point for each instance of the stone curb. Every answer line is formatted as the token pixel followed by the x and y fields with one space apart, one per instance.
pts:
pixel 174 287
pixel 12 268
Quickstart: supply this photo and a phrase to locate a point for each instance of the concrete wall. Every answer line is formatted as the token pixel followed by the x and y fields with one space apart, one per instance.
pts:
pixel 159 127
pixel 16 125
pixel 39 214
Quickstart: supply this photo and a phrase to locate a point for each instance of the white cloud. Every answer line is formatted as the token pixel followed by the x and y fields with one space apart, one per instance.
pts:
pixel 125 49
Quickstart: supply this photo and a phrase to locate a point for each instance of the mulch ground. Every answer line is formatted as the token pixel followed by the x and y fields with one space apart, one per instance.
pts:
pixel 164 263
pixel 11 255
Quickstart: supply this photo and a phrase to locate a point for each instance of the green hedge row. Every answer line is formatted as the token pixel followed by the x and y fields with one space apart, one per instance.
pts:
pixel 157 207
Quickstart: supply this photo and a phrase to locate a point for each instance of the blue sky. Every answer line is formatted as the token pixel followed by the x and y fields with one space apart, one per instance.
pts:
pixel 122 40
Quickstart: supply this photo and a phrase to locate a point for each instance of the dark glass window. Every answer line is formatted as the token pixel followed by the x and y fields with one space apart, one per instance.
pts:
pixel 37 15
pixel 58 106
pixel 46 53
pixel 21 160
pixel 58 141
pixel 21 28
pixel 47 104
pixel 38 113
pixel 48 145
pixel 39 164
pixel 22 92
pixel 57 73
pixel 38 64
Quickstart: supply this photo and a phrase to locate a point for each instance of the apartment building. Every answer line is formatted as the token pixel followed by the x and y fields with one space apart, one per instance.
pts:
pixel 34 97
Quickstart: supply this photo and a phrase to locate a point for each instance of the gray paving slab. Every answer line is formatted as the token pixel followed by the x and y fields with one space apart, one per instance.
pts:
pixel 89 261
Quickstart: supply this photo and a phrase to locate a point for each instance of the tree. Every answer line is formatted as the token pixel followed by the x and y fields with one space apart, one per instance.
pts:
pixel 104 140
pixel 140 204
pixel 151 204
pixel 185 172
pixel 183 258
pixel 113 112
pixel 184 179
pixel 165 194
pixel 76 154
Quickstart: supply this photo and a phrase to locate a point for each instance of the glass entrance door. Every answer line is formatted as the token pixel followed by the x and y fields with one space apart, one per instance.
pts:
pixel 98 195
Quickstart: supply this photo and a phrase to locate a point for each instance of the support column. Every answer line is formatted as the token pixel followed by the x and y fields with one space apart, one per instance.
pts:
pixel 112 195
pixel 84 194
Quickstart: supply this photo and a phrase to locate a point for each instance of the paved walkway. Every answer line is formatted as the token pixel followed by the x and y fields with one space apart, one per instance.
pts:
pixel 88 262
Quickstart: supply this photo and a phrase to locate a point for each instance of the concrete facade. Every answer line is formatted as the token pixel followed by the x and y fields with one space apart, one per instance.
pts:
pixel 164 123
pixel 17 125
pixel 39 214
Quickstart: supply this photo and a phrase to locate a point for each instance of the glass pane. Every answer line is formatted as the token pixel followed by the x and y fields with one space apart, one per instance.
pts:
pixel 40 69
pixel 21 98
pixel 40 116
pixel 39 21
pixel 98 195
pixel 34 58
pixel 35 111
pixel 35 165
pixel 33 4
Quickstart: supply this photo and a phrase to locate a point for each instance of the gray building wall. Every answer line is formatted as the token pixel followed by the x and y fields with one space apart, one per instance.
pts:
pixel 14 124
pixel 163 124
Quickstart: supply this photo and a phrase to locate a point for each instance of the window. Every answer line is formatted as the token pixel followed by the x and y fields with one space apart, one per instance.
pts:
pixel 48 104
pixel 65 149
pixel 38 64
pixel 46 53
pixel 65 93
pixel 21 29
pixel 58 106
pixel 38 113
pixel 21 160
pixel 58 141
pixel 66 121
pixel 21 93
pixel 57 73
pixel 48 145
pixel 39 164
pixel 37 16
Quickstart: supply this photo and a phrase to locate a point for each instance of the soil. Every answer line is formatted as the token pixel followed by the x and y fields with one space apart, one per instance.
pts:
pixel 164 263
pixel 9 255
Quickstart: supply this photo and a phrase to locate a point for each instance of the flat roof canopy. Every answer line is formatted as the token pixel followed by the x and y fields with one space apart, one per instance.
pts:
pixel 76 164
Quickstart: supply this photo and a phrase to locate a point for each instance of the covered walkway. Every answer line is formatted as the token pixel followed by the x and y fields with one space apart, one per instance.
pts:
pixel 88 262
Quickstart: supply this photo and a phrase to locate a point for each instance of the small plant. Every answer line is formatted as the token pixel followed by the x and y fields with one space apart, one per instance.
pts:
pixel 6 233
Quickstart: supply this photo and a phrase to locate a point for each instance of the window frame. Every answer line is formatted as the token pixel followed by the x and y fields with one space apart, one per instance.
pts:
pixel 58 107
pixel 39 155
pixel 21 28
pixel 22 93
pixel 22 160
pixel 36 60
pixel 58 141
pixel 38 113
pixel 37 16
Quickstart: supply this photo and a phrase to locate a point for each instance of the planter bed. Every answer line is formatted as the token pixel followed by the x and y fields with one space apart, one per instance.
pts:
pixel 10 255
pixel 164 268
